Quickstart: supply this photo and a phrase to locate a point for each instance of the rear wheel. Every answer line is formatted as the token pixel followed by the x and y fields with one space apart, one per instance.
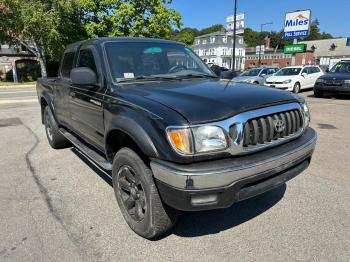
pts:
pixel 54 136
pixel 296 88
pixel 138 197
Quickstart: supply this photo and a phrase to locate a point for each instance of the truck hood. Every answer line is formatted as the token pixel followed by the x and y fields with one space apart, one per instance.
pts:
pixel 202 101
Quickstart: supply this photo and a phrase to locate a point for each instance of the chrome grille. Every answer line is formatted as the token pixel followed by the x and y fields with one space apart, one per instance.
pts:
pixel 267 129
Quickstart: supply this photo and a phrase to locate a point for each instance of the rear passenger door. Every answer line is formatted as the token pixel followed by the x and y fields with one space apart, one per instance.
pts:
pixel 86 102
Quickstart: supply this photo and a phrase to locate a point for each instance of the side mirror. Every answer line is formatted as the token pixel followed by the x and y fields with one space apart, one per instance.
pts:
pixel 327 70
pixel 83 76
pixel 304 74
pixel 263 75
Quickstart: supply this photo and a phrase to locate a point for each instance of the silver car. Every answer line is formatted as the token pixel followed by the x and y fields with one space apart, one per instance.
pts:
pixel 256 75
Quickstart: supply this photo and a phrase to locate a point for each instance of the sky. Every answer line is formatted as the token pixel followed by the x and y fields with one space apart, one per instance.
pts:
pixel 332 14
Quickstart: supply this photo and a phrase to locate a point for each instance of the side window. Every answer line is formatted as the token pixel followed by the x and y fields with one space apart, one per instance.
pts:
pixel 86 59
pixel 271 71
pixel 264 72
pixel 305 70
pixel 67 64
pixel 316 69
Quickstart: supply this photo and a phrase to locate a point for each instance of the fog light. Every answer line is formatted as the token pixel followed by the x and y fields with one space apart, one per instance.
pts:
pixel 203 199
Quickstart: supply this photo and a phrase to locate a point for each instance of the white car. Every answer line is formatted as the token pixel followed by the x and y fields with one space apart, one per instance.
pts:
pixel 295 78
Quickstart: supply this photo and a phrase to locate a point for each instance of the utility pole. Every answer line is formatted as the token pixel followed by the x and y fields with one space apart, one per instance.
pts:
pixel 234 37
pixel 260 40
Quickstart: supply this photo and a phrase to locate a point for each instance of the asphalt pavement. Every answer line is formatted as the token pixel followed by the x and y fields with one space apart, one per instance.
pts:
pixel 56 206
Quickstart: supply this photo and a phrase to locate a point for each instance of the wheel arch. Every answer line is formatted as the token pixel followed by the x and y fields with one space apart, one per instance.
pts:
pixel 126 132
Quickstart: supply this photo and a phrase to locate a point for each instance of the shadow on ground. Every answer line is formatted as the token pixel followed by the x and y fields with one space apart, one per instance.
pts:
pixel 193 224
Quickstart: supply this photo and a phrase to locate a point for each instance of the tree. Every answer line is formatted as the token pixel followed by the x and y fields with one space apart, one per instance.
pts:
pixel 136 18
pixel 212 29
pixel 315 32
pixel 44 27
pixel 186 35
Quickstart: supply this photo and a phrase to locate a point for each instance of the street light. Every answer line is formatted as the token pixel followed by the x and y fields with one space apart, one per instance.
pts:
pixel 234 37
pixel 261 28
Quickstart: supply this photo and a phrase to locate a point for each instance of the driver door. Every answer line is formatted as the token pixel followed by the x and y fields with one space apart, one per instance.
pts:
pixel 86 102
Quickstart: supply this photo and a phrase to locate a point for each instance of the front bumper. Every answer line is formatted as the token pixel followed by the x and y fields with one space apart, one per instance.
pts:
pixel 288 87
pixel 343 89
pixel 220 183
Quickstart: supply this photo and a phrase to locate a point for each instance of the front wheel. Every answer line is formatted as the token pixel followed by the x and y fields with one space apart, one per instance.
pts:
pixel 138 197
pixel 296 88
pixel 318 94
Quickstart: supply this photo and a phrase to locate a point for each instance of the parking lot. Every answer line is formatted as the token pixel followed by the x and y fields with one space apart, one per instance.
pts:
pixel 56 206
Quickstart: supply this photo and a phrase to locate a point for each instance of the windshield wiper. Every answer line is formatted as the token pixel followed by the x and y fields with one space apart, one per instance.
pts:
pixel 142 77
pixel 195 76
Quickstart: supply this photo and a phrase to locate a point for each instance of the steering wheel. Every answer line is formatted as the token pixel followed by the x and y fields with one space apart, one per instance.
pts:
pixel 177 68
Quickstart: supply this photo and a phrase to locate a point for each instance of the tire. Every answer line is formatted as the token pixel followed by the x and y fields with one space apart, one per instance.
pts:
pixel 138 197
pixel 256 83
pixel 54 136
pixel 296 88
pixel 318 94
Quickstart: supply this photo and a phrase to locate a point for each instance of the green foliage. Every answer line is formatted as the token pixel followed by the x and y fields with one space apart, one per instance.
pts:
pixel 136 18
pixel 187 35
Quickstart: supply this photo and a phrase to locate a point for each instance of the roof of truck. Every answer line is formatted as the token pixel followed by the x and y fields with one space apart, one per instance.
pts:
pixel 102 40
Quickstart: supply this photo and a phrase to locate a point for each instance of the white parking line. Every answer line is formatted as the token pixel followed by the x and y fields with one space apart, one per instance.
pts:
pixel 5 102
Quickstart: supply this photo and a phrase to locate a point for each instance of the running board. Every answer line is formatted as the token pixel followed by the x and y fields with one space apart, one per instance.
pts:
pixel 91 154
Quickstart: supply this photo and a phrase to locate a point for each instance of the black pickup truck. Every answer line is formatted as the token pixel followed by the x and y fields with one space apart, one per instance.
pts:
pixel 172 135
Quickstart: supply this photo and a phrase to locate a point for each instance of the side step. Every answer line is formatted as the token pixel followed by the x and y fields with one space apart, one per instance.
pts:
pixel 92 154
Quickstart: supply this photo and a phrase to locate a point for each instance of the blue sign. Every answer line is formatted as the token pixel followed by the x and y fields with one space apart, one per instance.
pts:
pixel 296 34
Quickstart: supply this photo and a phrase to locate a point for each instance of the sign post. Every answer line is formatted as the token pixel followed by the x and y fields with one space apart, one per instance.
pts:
pixel 297 24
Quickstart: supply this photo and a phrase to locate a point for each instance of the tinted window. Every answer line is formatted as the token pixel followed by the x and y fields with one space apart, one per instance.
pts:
pixel 305 70
pixel 67 64
pixel 86 59
pixel 265 71
pixel 152 60
pixel 289 71
pixel 313 70
pixel 342 68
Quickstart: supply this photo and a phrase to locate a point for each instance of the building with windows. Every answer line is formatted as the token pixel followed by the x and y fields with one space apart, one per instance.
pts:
pixel 329 51
pixel 275 57
pixel 216 48
pixel 16 63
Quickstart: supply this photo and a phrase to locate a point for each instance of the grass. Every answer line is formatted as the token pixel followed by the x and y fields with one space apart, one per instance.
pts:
pixel 7 84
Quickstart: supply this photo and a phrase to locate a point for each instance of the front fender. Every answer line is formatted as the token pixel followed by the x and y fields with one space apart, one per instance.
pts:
pixel 132 128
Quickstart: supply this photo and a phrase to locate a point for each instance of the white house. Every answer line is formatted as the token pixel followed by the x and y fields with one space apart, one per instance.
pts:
pixel 217 48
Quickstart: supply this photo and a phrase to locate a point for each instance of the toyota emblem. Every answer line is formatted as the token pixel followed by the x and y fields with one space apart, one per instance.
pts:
pixel 280 125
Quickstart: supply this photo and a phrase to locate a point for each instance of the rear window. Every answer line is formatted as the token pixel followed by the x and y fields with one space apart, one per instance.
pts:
pixel 67 64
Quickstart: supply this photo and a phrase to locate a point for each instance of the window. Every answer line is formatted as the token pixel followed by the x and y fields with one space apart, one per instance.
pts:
pixel 224 39
pixel 212 39
pixel 67 64
pixel 198 41
pixel 305 70
pixel 133 59
pixel 86 59
pixel 264 72
pixel 313 70
pixel 204 42
pixel 224 51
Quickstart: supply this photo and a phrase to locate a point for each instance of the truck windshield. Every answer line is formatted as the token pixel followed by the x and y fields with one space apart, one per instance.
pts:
pixel 291 71
pixel 341 68
pixel 251 72
pixel 147 60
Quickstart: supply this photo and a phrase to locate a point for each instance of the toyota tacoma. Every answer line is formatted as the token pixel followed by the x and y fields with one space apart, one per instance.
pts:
pixel 173 136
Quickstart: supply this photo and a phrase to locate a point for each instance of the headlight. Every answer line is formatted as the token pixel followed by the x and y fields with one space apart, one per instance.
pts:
pixel 200 139
pixel 208 138
pixel 287 81
pixel 306 112
pixel 319 80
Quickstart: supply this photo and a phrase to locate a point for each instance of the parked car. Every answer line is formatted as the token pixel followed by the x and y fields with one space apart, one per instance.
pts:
pixel 337 81
pixel 295 78
pixel 171 134
pixel 256 75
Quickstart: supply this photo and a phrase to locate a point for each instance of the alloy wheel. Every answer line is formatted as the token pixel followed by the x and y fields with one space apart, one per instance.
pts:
pixel 132 193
